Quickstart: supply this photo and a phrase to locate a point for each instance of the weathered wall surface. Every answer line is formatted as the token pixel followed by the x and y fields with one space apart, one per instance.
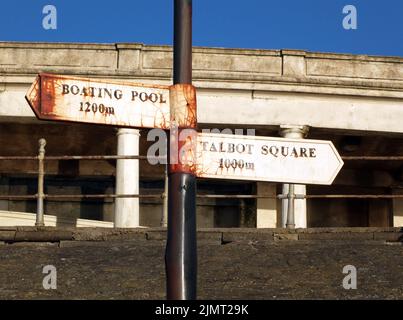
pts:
pixel 260 87
pixel 232 264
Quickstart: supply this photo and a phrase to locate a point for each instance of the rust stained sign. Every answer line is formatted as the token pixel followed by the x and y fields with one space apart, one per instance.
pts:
pixel 105 102
pixel 304 161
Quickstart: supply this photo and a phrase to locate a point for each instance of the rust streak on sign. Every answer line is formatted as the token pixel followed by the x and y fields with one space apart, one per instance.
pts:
pixel 183 105
pixel 34 96
pixel 108 102
pixel 183 135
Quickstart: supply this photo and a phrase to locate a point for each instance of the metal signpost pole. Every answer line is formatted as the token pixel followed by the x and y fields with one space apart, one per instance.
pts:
pixel 181 254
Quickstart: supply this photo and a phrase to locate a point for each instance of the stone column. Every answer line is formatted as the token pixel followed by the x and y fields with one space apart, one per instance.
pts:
pixel 266 213
pixel 127 180
pixel 295 132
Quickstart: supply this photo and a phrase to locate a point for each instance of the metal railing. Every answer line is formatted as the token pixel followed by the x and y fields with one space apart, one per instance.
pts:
pixel 40 196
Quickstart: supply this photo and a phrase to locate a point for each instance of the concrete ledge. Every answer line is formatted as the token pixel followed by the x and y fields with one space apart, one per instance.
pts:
pixel 110 57
pixel 12 220
pixel 389 236
pixel 35 244
pixel 337 236
pixel 204 236
pixel 8 229
pixel 7 235
pixel 348 230
pixel 89 243
pixel 156 235
pixel 285 236
pixel 104 234
pixel 209 236
pixel 242 235
pixel 42 236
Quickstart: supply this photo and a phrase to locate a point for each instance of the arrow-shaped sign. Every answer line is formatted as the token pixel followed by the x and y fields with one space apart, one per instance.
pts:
pixel 224 156
pixel 65 98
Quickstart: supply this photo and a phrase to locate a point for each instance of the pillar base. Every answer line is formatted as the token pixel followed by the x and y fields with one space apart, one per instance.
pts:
pixel 300 212
pixel 266 211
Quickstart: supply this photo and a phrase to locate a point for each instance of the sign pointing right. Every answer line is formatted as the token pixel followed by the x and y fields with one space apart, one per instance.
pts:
pixel 299 161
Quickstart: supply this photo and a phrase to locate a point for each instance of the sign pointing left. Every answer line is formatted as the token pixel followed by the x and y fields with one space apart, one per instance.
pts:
pixel 65 98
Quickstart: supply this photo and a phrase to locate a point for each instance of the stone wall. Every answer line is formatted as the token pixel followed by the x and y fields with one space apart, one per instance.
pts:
pixel 232 264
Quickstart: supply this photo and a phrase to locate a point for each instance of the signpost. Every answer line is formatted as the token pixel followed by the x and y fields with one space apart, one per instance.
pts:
pixel 224 156
pixel 173 108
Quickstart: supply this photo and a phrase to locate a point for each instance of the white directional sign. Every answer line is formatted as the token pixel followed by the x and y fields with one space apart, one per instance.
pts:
pixel 224 156
pixel 100 101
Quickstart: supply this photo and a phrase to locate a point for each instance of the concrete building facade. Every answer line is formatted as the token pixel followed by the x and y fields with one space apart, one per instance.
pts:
pixel 354 101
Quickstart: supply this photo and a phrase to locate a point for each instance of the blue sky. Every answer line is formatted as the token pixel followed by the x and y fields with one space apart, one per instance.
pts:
pixel 314 25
